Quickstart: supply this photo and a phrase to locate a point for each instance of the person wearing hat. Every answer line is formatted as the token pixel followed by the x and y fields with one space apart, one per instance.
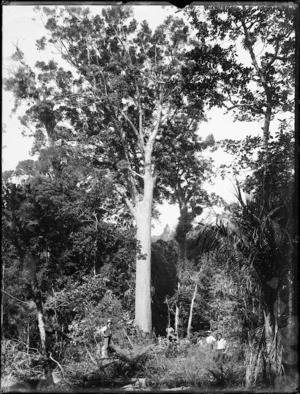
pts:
pixel 171 335
pixel 106 332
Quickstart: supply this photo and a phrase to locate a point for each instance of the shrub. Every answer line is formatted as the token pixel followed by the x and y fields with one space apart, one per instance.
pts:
pixel 230 373
pixel 82 330
pixel 194 367
pixel 17 362
pixel 190 368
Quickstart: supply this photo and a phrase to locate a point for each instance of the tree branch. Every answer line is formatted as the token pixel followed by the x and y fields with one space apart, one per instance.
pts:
pixel 133 128
pixel 60 367
pixel 130 178
pixel 135 173
pixel 269 64
pixel 130 206
pixel 254 61
pixel 17 299
pixel 158 123
pixel 139 133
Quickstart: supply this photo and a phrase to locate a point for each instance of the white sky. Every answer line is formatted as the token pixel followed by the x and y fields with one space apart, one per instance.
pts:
pixel 21 25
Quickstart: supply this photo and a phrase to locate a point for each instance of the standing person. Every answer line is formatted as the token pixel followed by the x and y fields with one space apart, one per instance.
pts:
pixel 171 335
pixel 210 340
pixel 106 332
pixel 221 346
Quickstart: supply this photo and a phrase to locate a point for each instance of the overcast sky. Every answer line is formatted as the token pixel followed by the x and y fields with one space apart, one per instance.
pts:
pixel 22 26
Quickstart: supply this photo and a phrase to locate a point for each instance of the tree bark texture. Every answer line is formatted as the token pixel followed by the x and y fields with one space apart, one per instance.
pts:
pixel 143 211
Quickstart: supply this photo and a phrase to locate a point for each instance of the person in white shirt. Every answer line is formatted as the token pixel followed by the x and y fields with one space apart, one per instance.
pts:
pixel 210 340
pixel 106 332
pixel 221 346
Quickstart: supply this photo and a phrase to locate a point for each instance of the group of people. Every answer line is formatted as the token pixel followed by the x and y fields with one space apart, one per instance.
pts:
pixel 216 342
pixel 212 342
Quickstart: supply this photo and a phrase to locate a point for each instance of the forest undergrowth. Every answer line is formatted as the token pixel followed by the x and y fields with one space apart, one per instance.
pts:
pixel 157 364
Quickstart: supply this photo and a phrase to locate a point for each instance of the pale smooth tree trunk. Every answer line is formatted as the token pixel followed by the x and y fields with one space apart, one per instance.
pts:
pixel 169 315
pixel 143 211
pixel 191 312
pixel 40 313
pixel 37 298
pixel 177 318
pixel 42 331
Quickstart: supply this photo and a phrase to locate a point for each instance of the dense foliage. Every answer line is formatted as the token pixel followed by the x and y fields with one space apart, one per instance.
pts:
pixel 118 131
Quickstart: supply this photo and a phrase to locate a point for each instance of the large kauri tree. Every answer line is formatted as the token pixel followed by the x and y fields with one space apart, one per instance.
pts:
pixel 121 85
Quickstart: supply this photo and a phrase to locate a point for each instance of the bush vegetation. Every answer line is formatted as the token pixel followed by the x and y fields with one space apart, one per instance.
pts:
pixel 117 136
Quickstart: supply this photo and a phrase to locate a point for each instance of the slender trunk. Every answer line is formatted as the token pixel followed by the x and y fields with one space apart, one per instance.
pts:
pixel 263 82
pixel 143 211
pixel 40 319
pixel 2 297
pixel 268 112
pixel 37 297
pixel 266 129
pixel 41 325
pixel 191 312
pixel 28 335
pixel 55 315
pixel 290 294
pixel 169 316
pixel 266 135
pixel 94 268
pixel 42 331
pixel 290 343
pixel 177 311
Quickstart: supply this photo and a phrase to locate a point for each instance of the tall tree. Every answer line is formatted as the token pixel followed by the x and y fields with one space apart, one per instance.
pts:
pixel 268 36
pixel 121 90
pixel 266 88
